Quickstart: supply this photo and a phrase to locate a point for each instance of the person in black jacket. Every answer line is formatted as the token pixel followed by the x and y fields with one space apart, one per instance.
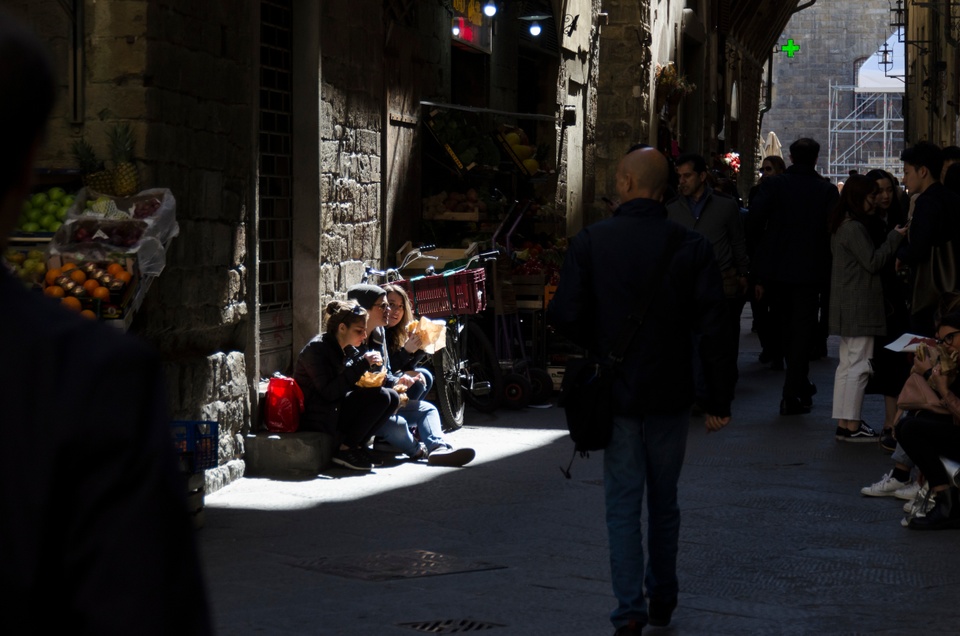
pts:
pixel 95 536
pixel 605 273
pixel 328 369
pixel 934 223
pixel 788 216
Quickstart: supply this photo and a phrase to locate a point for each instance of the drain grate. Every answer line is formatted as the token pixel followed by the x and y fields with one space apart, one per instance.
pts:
pixel 450 626
pixel 399 564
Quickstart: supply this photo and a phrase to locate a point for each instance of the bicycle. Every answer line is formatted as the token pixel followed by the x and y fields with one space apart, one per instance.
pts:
pixel 468 364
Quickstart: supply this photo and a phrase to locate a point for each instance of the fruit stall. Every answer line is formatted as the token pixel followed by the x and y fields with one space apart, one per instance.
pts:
pixel 94 240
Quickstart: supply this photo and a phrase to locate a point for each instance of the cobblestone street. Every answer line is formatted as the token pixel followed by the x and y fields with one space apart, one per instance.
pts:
pixel 776 538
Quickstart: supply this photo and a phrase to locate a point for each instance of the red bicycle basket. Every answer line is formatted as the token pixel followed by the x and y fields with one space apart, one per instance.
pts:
pixel 442 295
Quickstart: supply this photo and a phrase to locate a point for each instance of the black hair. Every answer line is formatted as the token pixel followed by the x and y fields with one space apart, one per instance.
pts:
pixel 894 213
pixel 699 163
pixel 950 153
pixel 805 152
pixel 854 194
pixel 28 90
pixel 951 180
pixel 948 311
pixel 924 154
pixel 778 163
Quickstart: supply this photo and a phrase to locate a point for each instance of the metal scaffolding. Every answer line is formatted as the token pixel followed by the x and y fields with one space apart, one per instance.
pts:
pixel 866 131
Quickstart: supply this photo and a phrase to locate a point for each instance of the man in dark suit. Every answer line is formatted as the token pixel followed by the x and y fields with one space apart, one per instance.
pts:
pixel 789 217
pixel 94 532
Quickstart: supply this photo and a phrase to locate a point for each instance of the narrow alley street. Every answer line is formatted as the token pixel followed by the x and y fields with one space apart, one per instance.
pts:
pixel 776 538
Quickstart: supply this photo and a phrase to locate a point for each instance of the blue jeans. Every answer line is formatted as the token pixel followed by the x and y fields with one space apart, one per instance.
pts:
pixel 645 453
pixel 425 416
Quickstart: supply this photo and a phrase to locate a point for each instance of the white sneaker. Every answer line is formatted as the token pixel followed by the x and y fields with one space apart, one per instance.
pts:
pixel 919 503
pixel 908 492
pixel 886 487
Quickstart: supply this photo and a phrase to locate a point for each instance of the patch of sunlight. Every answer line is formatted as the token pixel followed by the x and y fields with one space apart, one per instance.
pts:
pixel 337 485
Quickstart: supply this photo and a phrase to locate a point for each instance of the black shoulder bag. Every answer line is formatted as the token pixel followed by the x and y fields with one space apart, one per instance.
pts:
pixel 586 393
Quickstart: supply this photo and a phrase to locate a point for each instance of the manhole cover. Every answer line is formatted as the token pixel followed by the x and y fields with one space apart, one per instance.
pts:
pixel 399 564
pixel 450 626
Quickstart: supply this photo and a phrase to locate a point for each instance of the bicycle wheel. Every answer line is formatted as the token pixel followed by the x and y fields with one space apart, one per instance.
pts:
pixel 542 386
pixel 483 384
pixel 449 390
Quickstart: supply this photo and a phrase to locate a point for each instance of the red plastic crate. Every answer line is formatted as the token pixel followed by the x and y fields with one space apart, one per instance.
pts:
pixel 453 294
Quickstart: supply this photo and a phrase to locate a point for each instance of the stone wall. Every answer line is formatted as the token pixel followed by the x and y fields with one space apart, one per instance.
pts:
pixel 832 37
pixel 351 95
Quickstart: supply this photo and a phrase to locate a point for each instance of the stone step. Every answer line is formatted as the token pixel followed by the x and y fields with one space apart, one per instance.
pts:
pixel 287 454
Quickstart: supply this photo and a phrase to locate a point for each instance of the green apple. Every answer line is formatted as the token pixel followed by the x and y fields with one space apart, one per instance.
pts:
pixel 34 214
pixel 51 207
pixel 31 226
pixel 67 200
pixel 62 213
pixel 47 220
pixel 56 193
pixel 55 226
pixel 39 199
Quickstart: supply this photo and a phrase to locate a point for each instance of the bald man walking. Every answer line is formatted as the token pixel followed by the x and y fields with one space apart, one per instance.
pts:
pixel 609 268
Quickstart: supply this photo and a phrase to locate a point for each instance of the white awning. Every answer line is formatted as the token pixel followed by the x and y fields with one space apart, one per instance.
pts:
pixel 871 78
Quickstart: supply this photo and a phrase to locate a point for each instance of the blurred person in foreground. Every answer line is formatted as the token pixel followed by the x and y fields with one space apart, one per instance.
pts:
pixel 609 267
pixel 94 532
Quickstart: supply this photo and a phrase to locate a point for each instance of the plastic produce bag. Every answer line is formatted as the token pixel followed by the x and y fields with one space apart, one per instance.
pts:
pixel 284 405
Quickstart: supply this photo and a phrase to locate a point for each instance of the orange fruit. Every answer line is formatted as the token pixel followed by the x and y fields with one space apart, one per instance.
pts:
pixel 67 267
pixel 52 275
pixel 90 285
pixel 87 313
pixel 123 276
pixel 101 293
pixel 77 276
pixel 72 302
pixel 114 268
pixel 54 291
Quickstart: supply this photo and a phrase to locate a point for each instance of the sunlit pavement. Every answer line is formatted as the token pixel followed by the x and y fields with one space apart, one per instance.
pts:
pixel 776 538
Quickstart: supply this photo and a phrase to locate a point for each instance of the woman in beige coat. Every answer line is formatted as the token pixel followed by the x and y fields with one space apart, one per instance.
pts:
pixel 857 311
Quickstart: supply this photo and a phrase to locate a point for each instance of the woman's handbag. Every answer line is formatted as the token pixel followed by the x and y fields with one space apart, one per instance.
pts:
pixel 916 395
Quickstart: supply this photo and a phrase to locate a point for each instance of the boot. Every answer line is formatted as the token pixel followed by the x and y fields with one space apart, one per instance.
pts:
pixel 944 515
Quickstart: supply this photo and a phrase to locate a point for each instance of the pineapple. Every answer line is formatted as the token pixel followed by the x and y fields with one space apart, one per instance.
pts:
pixel 126 179
pixel 94 175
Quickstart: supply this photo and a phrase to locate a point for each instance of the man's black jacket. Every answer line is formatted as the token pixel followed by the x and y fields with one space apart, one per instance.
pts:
pixel 607 269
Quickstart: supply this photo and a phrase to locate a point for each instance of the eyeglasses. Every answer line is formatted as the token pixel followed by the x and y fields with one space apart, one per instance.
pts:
pixel 395 306
pixel 947 339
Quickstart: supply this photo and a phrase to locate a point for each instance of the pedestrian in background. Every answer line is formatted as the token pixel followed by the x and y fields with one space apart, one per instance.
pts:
pixel 933 225
pixel 607 270
pixel 890 368
pixel 95 537
pixel 717 217
pixel 789 218
pixel 857 313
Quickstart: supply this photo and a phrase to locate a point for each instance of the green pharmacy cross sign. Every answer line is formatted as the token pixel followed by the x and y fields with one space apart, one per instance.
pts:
pixel 790 48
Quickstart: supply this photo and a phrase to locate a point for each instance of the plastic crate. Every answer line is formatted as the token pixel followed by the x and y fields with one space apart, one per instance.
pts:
pixel 196 443
pixel 450 294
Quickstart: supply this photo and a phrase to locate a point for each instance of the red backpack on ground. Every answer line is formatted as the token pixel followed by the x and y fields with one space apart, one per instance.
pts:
pixel 284 405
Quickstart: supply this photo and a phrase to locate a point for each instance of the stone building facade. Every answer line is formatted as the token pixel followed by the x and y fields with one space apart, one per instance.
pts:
pixel 933 72
pixel 834 42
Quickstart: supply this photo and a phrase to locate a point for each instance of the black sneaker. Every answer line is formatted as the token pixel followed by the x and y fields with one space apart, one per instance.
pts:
pixel 633 628
pixel 351 459
pixel 446 456
pixel 887 441
pixel 793 406
pixel 862 434
pixel 660 612
pixel 372 459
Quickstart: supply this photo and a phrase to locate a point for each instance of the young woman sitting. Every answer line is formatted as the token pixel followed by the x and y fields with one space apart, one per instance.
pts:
pixel 327 370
